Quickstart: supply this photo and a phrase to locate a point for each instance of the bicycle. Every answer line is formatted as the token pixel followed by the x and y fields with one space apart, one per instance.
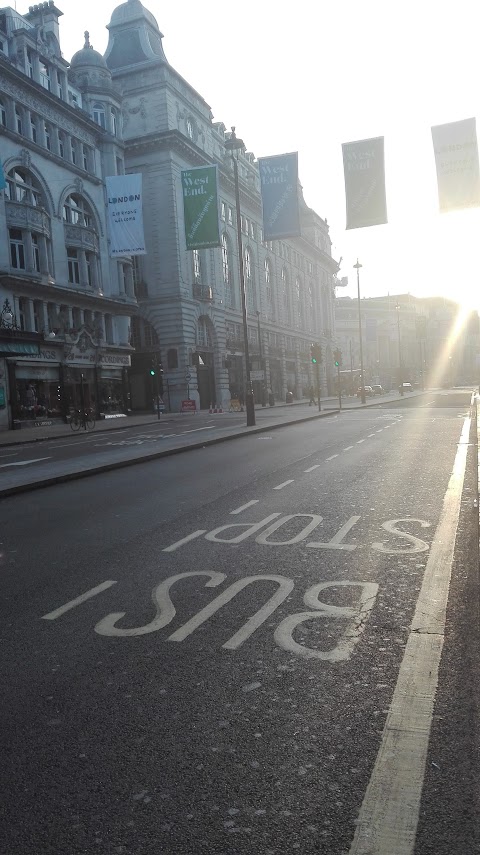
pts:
pixel 82 420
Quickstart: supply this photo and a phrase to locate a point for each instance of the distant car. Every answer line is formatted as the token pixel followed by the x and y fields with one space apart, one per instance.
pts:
pixel 378 390
pixel 369 393
pixel 406 387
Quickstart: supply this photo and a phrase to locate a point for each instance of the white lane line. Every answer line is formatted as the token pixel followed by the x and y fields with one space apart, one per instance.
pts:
pixel 185 540
pixel 193 430
pixel 389 813
pixel 312 468
pixel 11 454
pixel 359 441
pixel 244 507
pixel 379 430
pixel 331 458
pixel 348 448
pixel 284 484
pixel 78 600
pixel 387 426
pixel 24 462
pixel 371 434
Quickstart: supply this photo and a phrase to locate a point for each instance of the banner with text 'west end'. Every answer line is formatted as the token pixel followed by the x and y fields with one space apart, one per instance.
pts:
pixel 280 201
pixel 456 159
pixel 364 170
pixel 125 215
pixel 200 207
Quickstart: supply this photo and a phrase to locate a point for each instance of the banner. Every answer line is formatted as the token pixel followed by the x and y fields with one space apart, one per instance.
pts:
pixel 279 188
pixel 3 183
pixel 364 170
pixel 456 159
pixel 125 215
pixel 200 207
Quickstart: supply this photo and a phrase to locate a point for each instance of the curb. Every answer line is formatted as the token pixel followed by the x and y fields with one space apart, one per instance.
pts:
pixel 155 455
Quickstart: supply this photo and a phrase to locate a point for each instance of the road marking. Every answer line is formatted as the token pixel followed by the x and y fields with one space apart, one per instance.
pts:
pixel 24 462
pixel 331 458
pixel 359 441
pixel 194 430
pixel 185 540
pixel 244 507
pixel 336 541
pixel 348 448
pixel 11 454
pixel 78 600
pixel 371 434
pixel 312 468
pixel 389 813
pixel 379 430
pixel 285 484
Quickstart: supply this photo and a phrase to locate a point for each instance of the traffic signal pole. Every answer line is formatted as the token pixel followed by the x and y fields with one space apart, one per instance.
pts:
pixel 339 389
pixel 317 370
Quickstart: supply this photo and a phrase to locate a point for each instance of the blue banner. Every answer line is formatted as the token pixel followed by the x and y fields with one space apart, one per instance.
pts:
pixel 3 183
pixel 364 169
pixel 279 188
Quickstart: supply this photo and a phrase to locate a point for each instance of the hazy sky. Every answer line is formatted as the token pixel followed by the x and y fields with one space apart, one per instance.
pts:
pixel 308 76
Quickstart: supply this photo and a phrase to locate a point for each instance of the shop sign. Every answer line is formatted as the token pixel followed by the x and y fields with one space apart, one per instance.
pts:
pixel 124 360
pixel 50 355
pixel 188 407
pixel 257 375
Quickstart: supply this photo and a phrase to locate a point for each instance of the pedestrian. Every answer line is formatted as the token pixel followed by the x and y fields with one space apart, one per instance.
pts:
pixel 311 393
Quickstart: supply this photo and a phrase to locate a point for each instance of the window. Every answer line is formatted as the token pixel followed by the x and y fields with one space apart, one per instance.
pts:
pixel 99 115
pixel 268 288
pixel 285 301
pixel 197 267
pixel 61 144
pixel 30 64
pixel 298 302
pixel 85 157
pixel 22 187
pixel 230 216
pixel 17 249
pixel 252 229
pixel 18 121
pixel 73 267
pixel 36 253
pixel 33 128
pixel 47 137
pixel 73 151
pixel 60 87
pixel 76 212
pixel 45 76
pixel 113 117
pixel 37 316
pixel 249 281
pixel 3 114
pixel 22 313
pixel 227 277
pixel 223 211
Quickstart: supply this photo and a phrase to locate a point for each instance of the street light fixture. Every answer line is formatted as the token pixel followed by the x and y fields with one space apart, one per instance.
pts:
pixel 357 267
pixel 234 144
pixel 400 367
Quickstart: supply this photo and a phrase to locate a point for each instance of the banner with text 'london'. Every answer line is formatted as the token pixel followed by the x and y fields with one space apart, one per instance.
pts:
pixel 364 169
pixel 280 203
pixel 125 215
pixel 456 159
pixel 200 207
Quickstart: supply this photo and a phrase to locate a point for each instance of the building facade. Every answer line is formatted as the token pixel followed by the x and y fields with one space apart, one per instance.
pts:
pixel 65 305
pixel 190 302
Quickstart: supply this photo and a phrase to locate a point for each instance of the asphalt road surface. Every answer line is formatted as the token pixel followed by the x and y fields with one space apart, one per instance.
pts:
pixel 237 649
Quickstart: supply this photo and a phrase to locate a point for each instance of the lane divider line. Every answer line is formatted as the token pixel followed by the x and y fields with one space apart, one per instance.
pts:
pixel 371 434
pixel 348 448
pixel 312 468
pixel 285 484
pixel 244 507
pixel 78 600
pixel 331 458
pixel 187 539
pixel 359 441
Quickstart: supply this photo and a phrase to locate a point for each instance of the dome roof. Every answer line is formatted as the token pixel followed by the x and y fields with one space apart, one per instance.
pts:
pixel 87 56
pixel 131 11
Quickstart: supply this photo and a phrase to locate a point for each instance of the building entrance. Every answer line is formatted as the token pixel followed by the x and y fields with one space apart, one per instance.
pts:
pixel 205 379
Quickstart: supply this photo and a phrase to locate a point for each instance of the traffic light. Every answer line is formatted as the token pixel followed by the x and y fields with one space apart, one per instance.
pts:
pixel 337 355
pixel 316 354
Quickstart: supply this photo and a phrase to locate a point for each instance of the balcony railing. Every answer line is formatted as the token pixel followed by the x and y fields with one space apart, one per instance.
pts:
pixel 203 292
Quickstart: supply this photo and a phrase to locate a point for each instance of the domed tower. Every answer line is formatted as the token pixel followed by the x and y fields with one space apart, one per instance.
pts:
pixel 135 38
pixel 90 74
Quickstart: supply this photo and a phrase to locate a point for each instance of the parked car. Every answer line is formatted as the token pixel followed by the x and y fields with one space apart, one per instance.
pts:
pixel 378 390
pixel 406 387
pixel 369 393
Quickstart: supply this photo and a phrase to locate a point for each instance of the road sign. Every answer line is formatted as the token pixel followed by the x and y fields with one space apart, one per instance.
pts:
pixel 188 407
pixel 188 376
pixel 257 375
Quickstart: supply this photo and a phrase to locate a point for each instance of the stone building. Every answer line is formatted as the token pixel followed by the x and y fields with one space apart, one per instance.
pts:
pixel 190 301
pixel 65 305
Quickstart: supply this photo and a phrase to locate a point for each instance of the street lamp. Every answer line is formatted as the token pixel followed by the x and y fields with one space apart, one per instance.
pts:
pixel 234 144
pixel 357 267
pixel 262 363
pixel 400 367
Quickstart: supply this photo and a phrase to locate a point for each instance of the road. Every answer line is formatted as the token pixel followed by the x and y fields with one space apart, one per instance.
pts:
pixel 212 653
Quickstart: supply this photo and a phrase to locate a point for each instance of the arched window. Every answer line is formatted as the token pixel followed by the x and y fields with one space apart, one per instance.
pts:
pixel 99 115
pixel 113 118
pixel 227 274
pixel 269 290
pixel 29 236
pixel 285 296
pixel 249 281
pixel 82 248
pixel 3 114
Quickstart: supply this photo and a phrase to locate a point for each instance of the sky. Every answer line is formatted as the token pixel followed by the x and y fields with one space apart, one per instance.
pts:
pixel 309 76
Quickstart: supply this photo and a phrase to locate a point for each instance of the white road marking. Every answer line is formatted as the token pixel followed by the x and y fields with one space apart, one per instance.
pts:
pixel 24 462
pixel 359 441
pixel 379 430
pixel 331 458
pixel 371 434
pixel 387 426
pixel 284 484
pixel 244 507
pixel 185 540
pixel 11 454
pixel 193 430
pixel 389 813
pixel 348 448
pixel 78 600
pixel 336 541
pixel 312 468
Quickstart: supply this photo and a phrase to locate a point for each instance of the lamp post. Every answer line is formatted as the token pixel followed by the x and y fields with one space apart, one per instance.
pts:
pixel 357 267
pixel 234 144
pixel 262 362
pixel 400 367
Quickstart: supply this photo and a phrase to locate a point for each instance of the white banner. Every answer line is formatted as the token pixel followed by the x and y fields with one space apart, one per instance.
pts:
pixel 125 215
pixel 456 158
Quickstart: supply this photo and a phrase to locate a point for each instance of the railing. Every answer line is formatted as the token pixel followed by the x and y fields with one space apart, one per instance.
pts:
pixel 203 292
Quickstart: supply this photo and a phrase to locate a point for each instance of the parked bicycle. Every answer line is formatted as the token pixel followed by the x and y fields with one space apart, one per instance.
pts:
pixel 78 420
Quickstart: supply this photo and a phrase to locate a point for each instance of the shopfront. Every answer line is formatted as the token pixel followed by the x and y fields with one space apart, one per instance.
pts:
pixel 35 388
